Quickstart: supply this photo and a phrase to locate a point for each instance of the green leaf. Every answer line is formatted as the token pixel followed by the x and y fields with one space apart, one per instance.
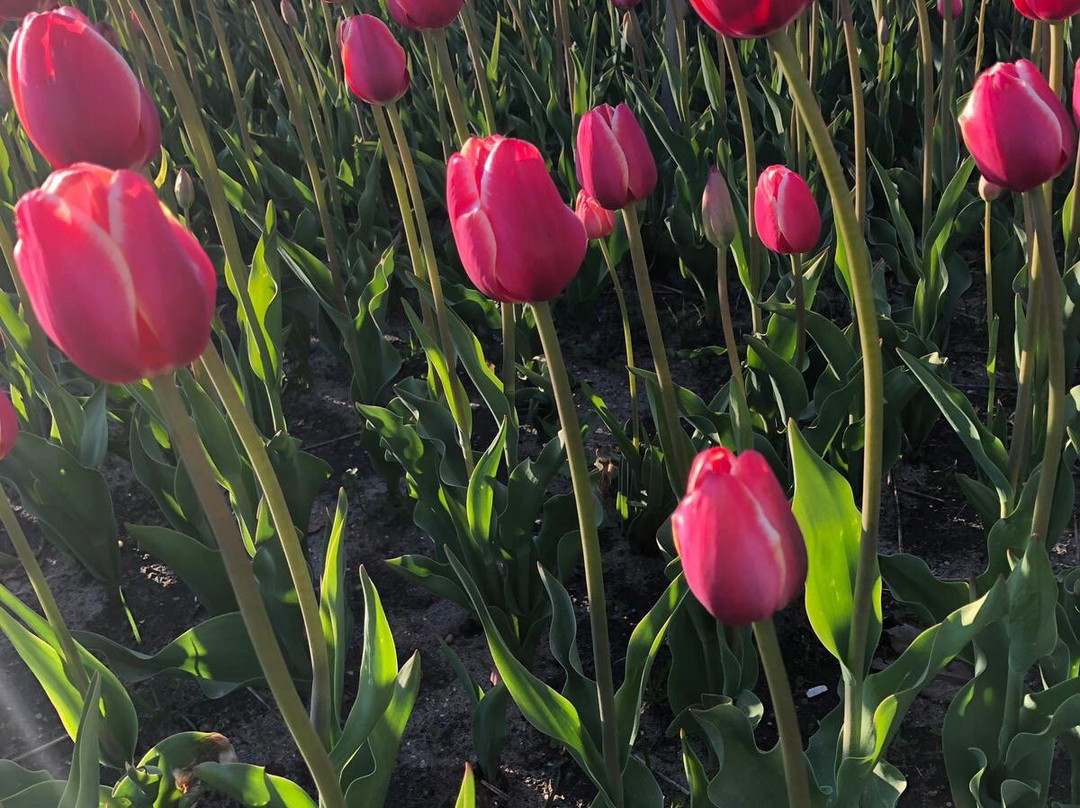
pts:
pixel 1032 609
pixel 787 382
pixel 910 581
pixel 83 786
pixel 334 611
pixel 199 566
pixel 251 786
pixel 467 794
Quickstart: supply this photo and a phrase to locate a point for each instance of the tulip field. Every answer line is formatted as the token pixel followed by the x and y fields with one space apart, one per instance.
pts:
pixel 526 403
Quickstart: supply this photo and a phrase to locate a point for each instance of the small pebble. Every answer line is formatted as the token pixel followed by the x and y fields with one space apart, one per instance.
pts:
pixel 816 691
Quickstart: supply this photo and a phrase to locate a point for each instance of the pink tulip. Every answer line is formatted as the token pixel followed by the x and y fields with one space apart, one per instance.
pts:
pixel 376 67
pixel 9 426
pixel 424 15
pixel 1048 10
pixel 748 19
pixel 518 240
pixel 741 549
pixel 614 162
pixel 77 98
pixel 17 9
pixel 599 221
pixel 1076 93
pixel 957 7
pixel 1017 130
pixel 785 212
pixel 116 282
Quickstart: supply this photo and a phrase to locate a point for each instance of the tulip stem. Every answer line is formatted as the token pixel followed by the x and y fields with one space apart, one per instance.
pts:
pixel 449 81
pixel 787 721
pixel 1018 445
pixel 590 546
pixel 980 47
pixel 800 310
pixel 235 266
pixel 189 51
pixel 401 191
pixel 255 448
pixel 1047 276
pixel 73 664
pixel 628 341
pixel 39 345
pixel 679 466
pixel 523 29
pixel 637 45
pixel 992 320
pixel 436 76
pixel 744 426
pixel 751 178
pixel 230 76
pixel 474 40
pixel 234 556
pixel 858 108
pixel 948 103
pixel 926 58
pixel 331 41
pixel 862 291
pixel 458 406
pixel 562 33
pixel 508 317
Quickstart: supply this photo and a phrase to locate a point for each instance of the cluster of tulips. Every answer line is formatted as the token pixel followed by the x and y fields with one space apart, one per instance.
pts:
pixel 122 287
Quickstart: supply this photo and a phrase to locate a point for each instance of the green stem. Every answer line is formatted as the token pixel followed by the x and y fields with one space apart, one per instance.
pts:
pixel 230 76
pixel 442 316
pixel 873 396
pixel 590 546
pixel 321 690
pixel 235 266
pixel 926 60
pixel 565 60
pixel 189 51
pixel 787 722
pixel 234 556
pixel 453 93
pixel 991 317
pixel 637 46
pixel 980 47
pixel 331 40
pixel 744 427
pixel 509 380
pixel 474 41
pixel 628 341
pixel 523 31
pixel 948 104
pixel 751 178
pixel 39 345
pixel 1052 333
pixel 73 664
pixel 800 310
pixel 858 108
pixel 680 464
pixel 1025 379
pixel 436 78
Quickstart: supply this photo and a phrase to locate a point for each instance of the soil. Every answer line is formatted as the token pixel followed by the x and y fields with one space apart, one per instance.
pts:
pixel 924 512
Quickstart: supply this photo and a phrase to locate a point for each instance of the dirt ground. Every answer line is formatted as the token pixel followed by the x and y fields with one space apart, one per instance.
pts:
pixel 923 513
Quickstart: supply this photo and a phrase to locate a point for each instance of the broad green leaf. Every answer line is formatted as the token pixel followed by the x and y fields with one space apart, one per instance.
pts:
pixel 252 787
pixel 83 788
pixel 199 566
pixel 334 611
pixel 1032 609
pixel 467 794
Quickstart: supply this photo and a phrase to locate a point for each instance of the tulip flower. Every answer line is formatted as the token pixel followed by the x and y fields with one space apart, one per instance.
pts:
pixel 988 191
pixel 1048 10
pixel 748 19
pixel 717 211
pixel 599 221
pixel 741 548
pixel 77 98
pixel 954 7
pixel 517 238
pixel 17 9
pixel 116 282
pixel 785 213
pixel 614 162
pixel 376 67
pixel 1017 130
pixel 9 426
pixel 424 15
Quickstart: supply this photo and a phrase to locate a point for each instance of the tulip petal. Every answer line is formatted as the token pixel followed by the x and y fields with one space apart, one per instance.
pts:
pixel 601 165
pixel 641 166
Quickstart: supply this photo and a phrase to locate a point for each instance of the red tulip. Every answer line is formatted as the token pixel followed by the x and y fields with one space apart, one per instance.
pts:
pixel 747 19
pixel 17 9
pixel 424 15
pixel 786 215
pixel 376 67
pixel 117 283
pixel 1048 10
pixel 1017 130
pixel 957 8
pixel 599 221
pixel 77 98
pixel 614 163
pixel 518 240
pixel 741 549
pixel 9 426
pixel 717 211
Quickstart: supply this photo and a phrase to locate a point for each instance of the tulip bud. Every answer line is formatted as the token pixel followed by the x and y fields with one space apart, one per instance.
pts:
pixel 599 221
pixel 785 212
pixel 518 240
pixel 988 190
pixel 136 23
pixel 1048 10
pixel 184 189
pixel 77 98
pixel 424 15
pixel 741 548
pixel 288 14
pixel 1017 130
pixel 116 282
pixel 717 211
pixel 9 425
pixel 108 33
pixel 376 67
pixel 953 7
pixel 625 5
pixel 883 31
pixel 748 19
pixel 614 163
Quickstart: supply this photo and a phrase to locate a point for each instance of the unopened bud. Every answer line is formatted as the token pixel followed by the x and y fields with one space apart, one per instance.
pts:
pixel 108 33
pixel 288 13
pixel 717 211
pixel 882 31
pixel 989 191
pixel 184 189
pixel 953 7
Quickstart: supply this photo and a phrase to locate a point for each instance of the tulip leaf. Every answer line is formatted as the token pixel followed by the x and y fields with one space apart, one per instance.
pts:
pixel 467 795
pixel 251 786
pixel 198 566
pixel 334 611
pixel 83 788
